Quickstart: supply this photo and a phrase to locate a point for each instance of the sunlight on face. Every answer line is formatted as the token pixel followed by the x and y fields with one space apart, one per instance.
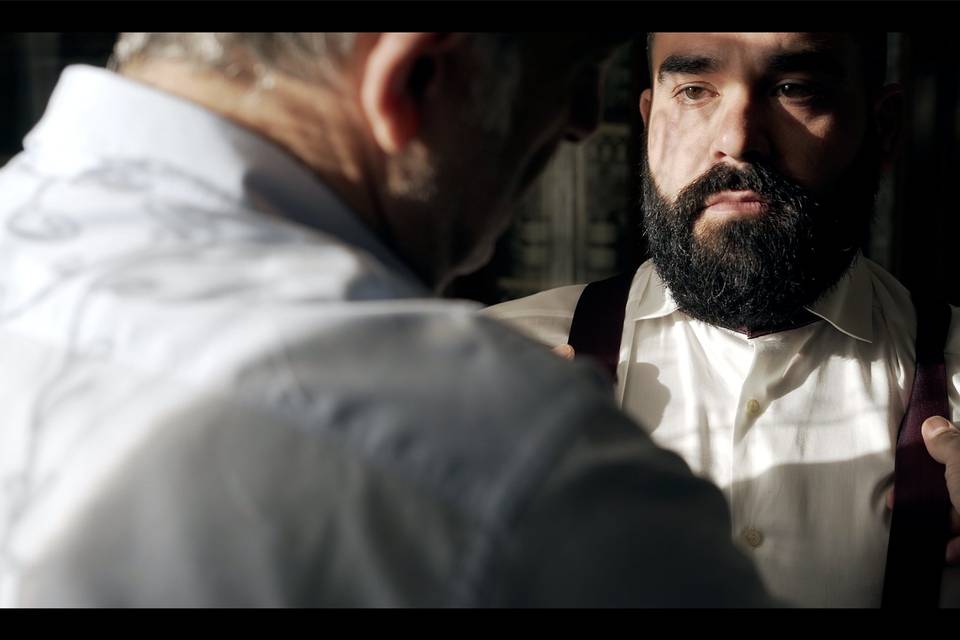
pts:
pixel 793 101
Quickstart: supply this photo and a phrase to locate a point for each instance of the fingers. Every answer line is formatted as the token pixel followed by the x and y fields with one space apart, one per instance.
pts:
pixel 565 351
pixel 942 439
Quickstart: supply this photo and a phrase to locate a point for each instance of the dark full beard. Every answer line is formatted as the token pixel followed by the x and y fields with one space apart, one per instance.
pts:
pixel 759 273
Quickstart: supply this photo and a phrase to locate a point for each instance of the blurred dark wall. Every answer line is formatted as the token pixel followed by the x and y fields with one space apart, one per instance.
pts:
pixel 10 95
pixel 926 220
pixel 30 64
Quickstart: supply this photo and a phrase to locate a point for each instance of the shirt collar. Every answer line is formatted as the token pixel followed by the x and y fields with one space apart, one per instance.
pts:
pixel 96 114
pixel 848 306
pixel 649 297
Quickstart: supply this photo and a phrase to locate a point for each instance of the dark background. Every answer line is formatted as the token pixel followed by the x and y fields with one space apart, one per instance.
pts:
pixel 564 235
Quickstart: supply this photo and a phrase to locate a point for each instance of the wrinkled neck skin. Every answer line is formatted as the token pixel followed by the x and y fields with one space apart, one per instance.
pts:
pixel 320 128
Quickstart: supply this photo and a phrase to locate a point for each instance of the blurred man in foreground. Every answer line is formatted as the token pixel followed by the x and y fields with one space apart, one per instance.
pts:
pixel 226 378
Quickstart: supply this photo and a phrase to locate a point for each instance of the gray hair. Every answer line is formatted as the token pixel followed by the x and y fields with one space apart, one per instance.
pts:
pixel 494 69
pixel 308 56
pixel 315 57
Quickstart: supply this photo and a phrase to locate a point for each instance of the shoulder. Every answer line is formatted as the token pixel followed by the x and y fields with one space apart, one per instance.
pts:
pixel 885 285
pixel 427 391
pixel 548 315
pixel 560 301
pixel 890 297
pixel 432 361
pixel 896 303
pixel 544 316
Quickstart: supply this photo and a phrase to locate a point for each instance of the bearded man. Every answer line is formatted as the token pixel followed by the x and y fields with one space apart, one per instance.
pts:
pixel 758 342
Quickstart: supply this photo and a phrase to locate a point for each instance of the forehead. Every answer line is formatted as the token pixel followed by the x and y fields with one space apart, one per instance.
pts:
pixel 759 50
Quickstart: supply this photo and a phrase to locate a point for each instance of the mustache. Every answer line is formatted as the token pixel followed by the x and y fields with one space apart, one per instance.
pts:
pixel 779 191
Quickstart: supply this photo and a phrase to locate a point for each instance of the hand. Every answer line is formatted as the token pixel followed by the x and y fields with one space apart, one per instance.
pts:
pixel 942 438
pixel 565 351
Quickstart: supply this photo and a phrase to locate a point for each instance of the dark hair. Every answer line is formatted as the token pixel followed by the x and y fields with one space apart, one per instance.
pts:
pixel 872 46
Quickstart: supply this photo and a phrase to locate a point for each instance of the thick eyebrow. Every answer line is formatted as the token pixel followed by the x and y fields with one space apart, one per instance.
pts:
pixel 820 61
pixel 825 62
pixel 689 64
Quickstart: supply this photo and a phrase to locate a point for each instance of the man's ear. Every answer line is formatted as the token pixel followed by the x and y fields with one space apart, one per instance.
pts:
pixel 646 99
pixel 399 70
pixel 888 115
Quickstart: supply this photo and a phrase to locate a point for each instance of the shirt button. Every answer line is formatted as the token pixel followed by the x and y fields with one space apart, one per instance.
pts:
pixel 752 537
pixel 753 408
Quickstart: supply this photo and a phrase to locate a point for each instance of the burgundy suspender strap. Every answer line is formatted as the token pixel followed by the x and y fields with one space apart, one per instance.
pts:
pixel 598 321
pixel 920 527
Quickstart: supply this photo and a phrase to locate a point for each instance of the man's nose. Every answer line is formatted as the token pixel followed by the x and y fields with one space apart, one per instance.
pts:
pixel 585 106
pixel 741 132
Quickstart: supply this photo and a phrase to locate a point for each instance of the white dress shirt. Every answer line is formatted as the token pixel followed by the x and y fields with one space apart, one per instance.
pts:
pixel 798 428
pixel 219 388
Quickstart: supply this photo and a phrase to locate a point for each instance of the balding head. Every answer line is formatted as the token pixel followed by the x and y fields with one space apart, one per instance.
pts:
pixel 431 138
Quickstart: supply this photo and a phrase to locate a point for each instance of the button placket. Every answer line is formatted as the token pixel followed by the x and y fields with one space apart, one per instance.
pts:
pixel 749 409
pixel 751 406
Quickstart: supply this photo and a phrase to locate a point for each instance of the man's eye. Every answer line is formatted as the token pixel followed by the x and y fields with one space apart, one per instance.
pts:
pixel 795 91
pixel 693 94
